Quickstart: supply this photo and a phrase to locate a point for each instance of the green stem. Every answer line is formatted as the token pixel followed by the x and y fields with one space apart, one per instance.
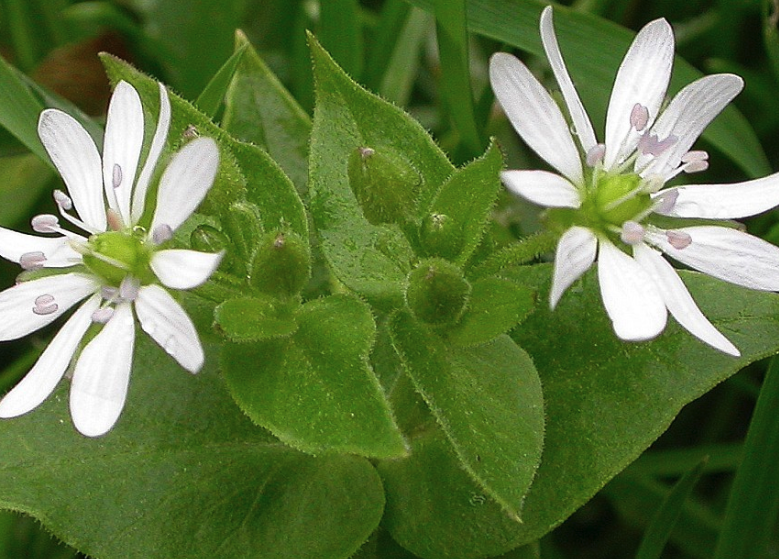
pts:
pixel 526 250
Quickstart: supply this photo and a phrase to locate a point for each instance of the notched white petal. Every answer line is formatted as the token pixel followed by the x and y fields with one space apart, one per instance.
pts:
pixel 17 303
pixel 727 254
pixel 679 301
pixel 102 375
pixel 543 188
pixel 169 325
pixel 575 254
pixel 632 301
pixel 186 182
pixel 37 384
pixel 184 269
pixel 534 115
pixel 724 201
pixel 75 155
pixel 56 251
pixel 581 121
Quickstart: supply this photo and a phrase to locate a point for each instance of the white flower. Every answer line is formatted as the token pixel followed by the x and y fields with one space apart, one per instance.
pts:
pixel 608 198
pixel 117 268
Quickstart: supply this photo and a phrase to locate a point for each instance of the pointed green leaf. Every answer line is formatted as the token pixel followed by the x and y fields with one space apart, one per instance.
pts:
pixel 259 110
pixel 213 94
pixel 372 260
pixel 19 110
pixel 183 474
pixel 593 49
pixel 315 390
pixel 487 400
pixel 608 400
pixel 496 305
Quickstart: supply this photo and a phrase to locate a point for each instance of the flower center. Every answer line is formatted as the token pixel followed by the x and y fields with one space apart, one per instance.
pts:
pixel 620 198
pixel 115 254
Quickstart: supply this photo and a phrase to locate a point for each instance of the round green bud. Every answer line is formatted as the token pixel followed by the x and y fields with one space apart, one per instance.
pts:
pixel 385 184
pixel 123 254
pixel 437 292
pixel 206 238
pixel 282 264
pixel 440 235
pixel 612 189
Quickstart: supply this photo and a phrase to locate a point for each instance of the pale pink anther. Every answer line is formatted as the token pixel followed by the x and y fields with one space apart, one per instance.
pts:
pixel 678 239
pixel 595 155
pixel 63 200
pixel 45 223
pixel 103 315
pixel 639 117
pixel 44 304
pixel 632 233
pixel 32 260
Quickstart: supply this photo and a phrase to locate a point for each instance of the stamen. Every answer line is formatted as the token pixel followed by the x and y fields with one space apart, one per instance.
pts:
pixel 162 233
pixel 695 155
pixel 114 220
pixel 652 183
pixel 103 315
pixel 595 155
pixel 45 223
pixel 678 239
pixel 117 178
pixel 44 304
pixel 109 293
pixel 632 233
pixel 639 117
pixel 63 201
pixel 666 201
pixel 695 166
pixel 129 288
pixel 648 144
pixel 32 260
pixel 695 161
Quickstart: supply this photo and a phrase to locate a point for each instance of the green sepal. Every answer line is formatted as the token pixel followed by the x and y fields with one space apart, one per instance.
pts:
pixel 315 389
pixel 496 306
pixel 281 265
pixel 465 200
pixel 437 292
pixel 251 319
pixel 385 184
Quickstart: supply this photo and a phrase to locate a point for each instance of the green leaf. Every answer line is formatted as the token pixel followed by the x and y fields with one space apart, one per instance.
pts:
pixel 372 260
pixel 466 199
pixel 259 110
pixel 23 179
pixel 452 37
pixel 659 530
pixel 251 319
pixel 183 474
pixel 315 389
pixel 496 305
pixel 750 515
pixel 211 97
pixel 19 110
pixel 608 400
pixel 434 508
pixel 593 49
pixel 488 401
pixel 340 32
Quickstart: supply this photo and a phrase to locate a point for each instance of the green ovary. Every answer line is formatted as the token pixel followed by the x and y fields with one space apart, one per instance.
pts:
pixel 127 251
pixel 610 190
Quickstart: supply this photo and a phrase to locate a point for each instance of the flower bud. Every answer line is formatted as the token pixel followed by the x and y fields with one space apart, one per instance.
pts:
pixel 384 184
pixel 205 238
pixel 281 266
pixel 243 225
pixel 440 235
pixel 437 292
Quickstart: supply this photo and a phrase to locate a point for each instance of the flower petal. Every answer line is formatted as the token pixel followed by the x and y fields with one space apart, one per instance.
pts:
pixel 632 300
pixel 186 182
pixel 75 155
pixel 184 269
pixel 36 386
pixel 727 254
pixel 581 122
pixel 122 147
pixel 724 201
pixel 17 303
pixel 534 115
pixel 157 144
pixel 679 301
pixel 543 188
pixel 169 325
pixel 102 375
pixel 56 250
pixel 642 78
pixel 575 254
pixel 686 116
